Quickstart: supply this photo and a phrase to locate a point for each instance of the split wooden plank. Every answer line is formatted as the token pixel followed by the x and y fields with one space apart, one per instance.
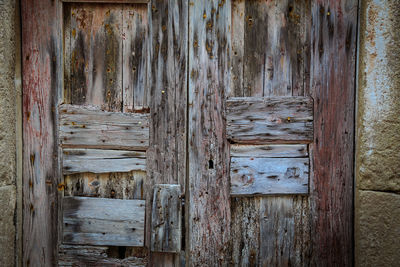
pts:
pixel 135 58
pixel 92 128
pixel 41 31
pixel 106 185
pixel 269 151
pixel 75 255
pixel 96 55
pixel 101 221
pixel 166 218
pixel 265 176
pixel 333 68
pixel 80 160
pixel 275 119
pixel 209 217
pixel 284 231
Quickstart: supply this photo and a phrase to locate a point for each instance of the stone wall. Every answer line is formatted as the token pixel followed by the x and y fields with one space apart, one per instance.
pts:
pixel 7 133
pixel 377 206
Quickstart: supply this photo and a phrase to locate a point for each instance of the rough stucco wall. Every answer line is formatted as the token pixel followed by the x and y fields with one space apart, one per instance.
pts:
pixel 7 133
pixel 377 215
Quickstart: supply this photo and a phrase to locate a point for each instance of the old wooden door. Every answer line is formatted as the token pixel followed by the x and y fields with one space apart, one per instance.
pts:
pixel 199 133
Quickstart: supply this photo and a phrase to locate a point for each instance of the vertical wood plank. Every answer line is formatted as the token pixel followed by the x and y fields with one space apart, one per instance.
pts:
pixel 284 228
pixel 134 57
pixel 42 80
pixel 333 84
pixel 96 55
pixel 237 38
pixel 245 231
pixel 168 93
pixel 208 186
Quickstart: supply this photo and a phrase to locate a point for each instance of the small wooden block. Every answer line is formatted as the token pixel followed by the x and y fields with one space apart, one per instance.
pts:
pixel 102 221
pixel 166 218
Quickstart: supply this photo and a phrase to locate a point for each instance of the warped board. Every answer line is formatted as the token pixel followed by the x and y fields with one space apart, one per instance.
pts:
pixel 101 221
pixel 80 160
pixel 259 120
pixel 267 176
pixel 90 127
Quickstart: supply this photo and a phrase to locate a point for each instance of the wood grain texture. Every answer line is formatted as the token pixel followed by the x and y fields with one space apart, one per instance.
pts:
pixel 333 60
pixel 166 164
pixel 271 47
pixel 96 256
pixel 135 58
pixel 269 151
pixel 92 128
pixel 166 218
pixel 101 221
pixel 208 180
pixel 285 231
pixel 42 83
pixel 102 161
pixel 265 176
pixel 106 185
pixel 275 119
pixel 245 227
pixel 96 56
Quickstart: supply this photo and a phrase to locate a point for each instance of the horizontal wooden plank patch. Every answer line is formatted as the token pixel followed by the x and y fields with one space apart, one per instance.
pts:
pixel 102 221
pixel 275 119
pixel 88 127
pixel 269 151
pixel 269 176
pixel 81 160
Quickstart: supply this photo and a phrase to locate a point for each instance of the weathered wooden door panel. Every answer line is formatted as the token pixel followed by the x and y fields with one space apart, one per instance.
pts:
pixel 240 110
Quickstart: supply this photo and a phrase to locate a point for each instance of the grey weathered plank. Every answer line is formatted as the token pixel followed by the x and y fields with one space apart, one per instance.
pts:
pixel 168 41
pixel 166 218
pixel 80 160
pixel 284 231
pixel 245 231
pixel 269 151
pixel 208 177
pixel 101 221
pixel 274 119
pixel 128 185
pixel 75 255
pixel 96 55
pixel 264 176
pixel 135 57
pixel 92 128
